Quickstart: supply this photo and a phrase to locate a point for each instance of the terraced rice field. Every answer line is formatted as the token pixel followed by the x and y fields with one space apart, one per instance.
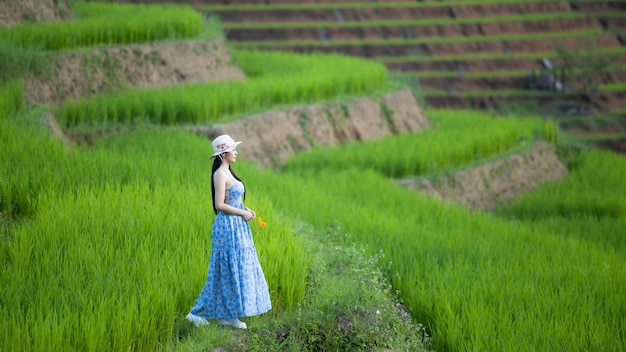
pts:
pixel 462 53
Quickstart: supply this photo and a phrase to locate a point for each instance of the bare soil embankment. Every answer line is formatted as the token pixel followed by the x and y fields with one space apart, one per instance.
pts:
pixel 484 186
pixel 14 12
pixel 272 137
pixel 85 73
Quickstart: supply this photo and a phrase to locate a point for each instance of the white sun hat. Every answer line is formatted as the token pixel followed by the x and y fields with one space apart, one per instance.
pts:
pixel 223 144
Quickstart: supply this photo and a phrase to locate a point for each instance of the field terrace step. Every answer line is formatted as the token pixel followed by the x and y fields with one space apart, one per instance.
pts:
pixel 438 34
pixel 615 24
pixel 462 83
pixel 599 6
pixel 605 101
pixel 513 45
pixel 411 31
pixel 611 101
pixel 462 64
pixel 483 63
pixel 292 2
pixel 496 101
pixel 363 13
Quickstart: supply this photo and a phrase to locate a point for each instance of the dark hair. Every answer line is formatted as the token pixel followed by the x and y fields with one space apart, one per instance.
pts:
pixel 217 162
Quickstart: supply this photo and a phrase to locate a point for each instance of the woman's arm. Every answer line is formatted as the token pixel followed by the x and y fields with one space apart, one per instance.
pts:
pixel 221 183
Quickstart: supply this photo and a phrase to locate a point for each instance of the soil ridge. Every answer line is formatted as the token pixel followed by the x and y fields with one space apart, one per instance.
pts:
pixel 271 137
pixel 486 185
pixel 86 73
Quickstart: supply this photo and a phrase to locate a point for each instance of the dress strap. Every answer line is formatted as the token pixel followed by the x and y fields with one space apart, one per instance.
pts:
pixel 229 175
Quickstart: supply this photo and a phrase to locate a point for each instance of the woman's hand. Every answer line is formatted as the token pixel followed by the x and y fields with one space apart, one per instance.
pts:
pixel 248 215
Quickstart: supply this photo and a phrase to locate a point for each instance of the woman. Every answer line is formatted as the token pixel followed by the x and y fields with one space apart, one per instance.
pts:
pixel 235 285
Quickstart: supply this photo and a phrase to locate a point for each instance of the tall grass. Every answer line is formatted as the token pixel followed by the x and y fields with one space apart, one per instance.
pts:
pixel 107 24
pixel 17 62
pixel 482 283
pixel 457 138
pixel 11 98
pixel 124 231
pixel 273 79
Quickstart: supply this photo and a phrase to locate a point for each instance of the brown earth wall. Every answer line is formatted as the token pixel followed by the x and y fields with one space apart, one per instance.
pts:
pixel 599 6
pixel 490 10
pixel 390 13
pixel 519 46
pixel 13 12
pixel 467 66
pixel 495 102
pixel 485 186
pixel 611 101
pixel 618 24
pixel 408 32
pixel 463 84
pixel 491 47
pixel 85 73
pixel 277 2
pixel 273 136
pixel 325 15
pixel 472 84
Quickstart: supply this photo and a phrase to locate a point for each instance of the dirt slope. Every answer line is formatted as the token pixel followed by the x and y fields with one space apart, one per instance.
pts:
pixel 13 12
pixel 273 136
pixel 84 73
pixel 484 186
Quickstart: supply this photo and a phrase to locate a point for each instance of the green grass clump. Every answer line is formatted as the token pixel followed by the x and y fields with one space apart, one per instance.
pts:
pixel 457 138
pixel 108 24
pixel 17 62
pixel 11 98
pixel 273 79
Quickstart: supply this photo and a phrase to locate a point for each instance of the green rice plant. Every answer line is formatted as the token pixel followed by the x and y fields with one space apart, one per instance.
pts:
pixel 612 87
pixel 458 138
pixel 585 33
pixel 121 228
pixel 274 79
pixel 107 24
pixel 17 62
pixel 481 283
pixel 124 230
pixel 11 98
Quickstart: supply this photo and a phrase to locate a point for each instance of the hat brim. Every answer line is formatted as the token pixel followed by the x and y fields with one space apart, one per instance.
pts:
pixel 230 149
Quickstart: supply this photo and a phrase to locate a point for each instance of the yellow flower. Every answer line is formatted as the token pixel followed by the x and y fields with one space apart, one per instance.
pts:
pixel 261 223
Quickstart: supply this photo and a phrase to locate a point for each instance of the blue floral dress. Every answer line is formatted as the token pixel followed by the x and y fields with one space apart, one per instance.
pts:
pixel 235 286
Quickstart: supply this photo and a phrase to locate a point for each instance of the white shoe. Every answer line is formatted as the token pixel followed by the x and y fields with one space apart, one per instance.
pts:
pixel 198 321
pixel 232 322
